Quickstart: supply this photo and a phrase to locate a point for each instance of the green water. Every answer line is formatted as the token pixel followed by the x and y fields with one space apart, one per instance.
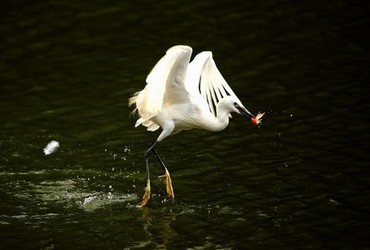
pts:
pixel 301 181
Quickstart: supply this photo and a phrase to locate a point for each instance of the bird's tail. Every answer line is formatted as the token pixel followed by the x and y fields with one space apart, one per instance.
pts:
pixel 151 126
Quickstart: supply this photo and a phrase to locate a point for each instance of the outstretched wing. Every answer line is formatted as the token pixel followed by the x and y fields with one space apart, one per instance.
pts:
pixel 204 77
pixel 166 77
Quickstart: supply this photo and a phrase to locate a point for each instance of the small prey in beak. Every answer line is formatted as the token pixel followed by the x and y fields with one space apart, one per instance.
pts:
pixel 258 119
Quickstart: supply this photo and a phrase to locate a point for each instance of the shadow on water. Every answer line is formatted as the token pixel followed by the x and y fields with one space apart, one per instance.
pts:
pixel 300 181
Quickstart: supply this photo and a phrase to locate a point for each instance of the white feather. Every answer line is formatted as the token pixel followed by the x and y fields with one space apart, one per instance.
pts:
pixel 204 75
pixel 166 75
pixel 51 147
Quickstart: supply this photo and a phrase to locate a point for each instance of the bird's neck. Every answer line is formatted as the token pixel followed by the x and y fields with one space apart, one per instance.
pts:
pixel 222 120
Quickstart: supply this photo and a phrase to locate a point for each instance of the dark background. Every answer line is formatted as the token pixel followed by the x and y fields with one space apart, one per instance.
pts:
pixel 300 181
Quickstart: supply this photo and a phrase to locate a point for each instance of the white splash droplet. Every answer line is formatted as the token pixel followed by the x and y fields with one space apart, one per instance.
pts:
pixel 51 147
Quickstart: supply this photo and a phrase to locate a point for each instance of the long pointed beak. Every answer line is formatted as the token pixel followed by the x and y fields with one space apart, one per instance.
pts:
pixel 245 112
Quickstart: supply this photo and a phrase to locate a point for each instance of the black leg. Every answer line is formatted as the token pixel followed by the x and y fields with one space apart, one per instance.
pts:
pixel 159 159
pixel 146 154
pixel 167 176
pixel 146 195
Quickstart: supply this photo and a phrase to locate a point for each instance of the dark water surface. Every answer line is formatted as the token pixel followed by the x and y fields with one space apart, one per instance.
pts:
pixel 301 181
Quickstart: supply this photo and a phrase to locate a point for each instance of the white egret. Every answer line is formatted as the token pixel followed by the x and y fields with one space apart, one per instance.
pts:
pixel 182 95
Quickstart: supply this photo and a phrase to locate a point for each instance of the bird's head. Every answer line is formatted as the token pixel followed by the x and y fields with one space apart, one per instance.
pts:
pixel 236 106
pixel 233 104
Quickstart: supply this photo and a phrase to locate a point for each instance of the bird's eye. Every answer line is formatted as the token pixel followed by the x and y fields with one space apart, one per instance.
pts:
pixel 236 105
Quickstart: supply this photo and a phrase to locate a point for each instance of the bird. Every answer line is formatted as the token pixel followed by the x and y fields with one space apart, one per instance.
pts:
pixel 182 95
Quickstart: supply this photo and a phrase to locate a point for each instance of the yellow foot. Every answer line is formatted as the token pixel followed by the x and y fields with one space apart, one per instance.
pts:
pixel 169 187
pixel 146 195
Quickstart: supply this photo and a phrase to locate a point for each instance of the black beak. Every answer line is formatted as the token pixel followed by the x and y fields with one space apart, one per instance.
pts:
pixel 245 112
